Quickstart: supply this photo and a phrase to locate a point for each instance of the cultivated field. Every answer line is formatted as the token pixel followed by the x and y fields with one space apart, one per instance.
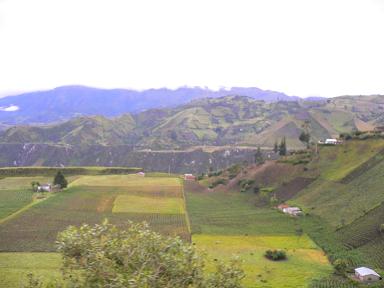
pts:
pixel 226 224
pixel 90 199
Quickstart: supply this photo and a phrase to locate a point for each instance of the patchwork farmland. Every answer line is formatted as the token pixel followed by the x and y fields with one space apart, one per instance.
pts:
pixel 90 199
pixel 235 227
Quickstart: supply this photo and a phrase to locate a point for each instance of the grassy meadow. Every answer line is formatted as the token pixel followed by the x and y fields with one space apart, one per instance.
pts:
pixel 14 267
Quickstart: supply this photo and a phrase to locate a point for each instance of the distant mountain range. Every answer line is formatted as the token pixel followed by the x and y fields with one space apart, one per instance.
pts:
pixel 66 102
pixel 229 120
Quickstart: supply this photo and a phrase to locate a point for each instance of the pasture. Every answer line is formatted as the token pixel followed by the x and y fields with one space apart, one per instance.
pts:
pixel 225 224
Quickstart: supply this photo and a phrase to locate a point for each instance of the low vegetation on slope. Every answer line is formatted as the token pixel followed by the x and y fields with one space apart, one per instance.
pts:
pixel 341 202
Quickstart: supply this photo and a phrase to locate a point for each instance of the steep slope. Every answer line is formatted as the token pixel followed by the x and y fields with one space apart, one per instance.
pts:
pixel 82 130
pixel 343 192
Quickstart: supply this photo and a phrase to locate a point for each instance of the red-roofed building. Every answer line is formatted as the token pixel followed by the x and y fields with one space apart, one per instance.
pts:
pixel 189 177
pixel 282 207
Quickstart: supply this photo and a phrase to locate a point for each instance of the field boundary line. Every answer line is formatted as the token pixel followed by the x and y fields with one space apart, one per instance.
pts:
pixel 22 210
pixel 185 209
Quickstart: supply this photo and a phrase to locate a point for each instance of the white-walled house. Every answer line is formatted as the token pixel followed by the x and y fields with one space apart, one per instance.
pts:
pixel 295 211
pixel 331 141
pixel 365 274
pixel 44 188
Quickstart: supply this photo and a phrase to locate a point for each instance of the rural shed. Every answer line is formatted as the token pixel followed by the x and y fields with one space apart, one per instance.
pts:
pixel 189 177
pixel 365 274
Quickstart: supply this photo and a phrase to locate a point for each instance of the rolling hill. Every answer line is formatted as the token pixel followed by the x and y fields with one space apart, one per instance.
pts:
pixel 229 120
pixel 66 102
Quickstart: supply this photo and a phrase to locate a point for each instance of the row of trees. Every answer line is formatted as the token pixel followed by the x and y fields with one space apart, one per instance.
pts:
pixel 281 148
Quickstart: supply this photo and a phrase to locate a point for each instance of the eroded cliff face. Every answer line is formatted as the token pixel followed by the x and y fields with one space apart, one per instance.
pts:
pixel 191 161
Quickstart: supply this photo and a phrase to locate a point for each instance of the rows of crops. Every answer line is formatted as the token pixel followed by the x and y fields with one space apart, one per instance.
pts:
pixel 36 229
pixel 333 283
pixel 373 252
pixel 364 229
pixel 226 224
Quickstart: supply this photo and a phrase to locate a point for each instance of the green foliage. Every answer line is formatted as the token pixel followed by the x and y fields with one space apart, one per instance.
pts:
pixel 259 157
pixel 305 137
pixel 283 147
pixel 60 180
pixel 341 266
pixel 276 147
pixel 217 182
pixel 105 256
pixel 275 255
pixel 35 185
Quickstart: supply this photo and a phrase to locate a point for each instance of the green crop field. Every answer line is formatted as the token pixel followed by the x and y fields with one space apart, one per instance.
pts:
pixel 16 192
pixel 228 224
pixel 14 267
pixel 140 204
pixel 90 199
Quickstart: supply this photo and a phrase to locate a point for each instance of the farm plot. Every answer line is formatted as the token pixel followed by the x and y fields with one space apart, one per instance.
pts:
pixel 90 199
pixel 14 267
pixel 228 224
pixel 305 261
pixel 15 192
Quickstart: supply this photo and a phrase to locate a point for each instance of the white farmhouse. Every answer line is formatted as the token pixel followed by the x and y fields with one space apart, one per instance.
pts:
pixel 44 188
pixel 295 211
pixel 331 141
pixel 365 274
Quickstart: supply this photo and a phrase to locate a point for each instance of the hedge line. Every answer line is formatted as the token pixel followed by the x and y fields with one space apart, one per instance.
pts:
pixel 50 171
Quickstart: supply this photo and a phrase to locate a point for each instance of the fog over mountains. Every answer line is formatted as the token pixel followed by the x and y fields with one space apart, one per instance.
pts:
pixel 66 102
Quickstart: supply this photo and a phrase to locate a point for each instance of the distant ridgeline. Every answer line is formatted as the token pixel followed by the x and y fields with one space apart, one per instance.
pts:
pixel 167 139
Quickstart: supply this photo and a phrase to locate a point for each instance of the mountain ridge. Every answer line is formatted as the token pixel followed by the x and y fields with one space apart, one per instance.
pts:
pixel 63 103
pixel 228 120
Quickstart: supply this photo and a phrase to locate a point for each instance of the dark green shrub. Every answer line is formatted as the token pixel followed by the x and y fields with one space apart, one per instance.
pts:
pixel 275 255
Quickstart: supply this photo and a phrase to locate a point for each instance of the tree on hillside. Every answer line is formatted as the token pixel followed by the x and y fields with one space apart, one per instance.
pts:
pixel 259 157
pixel 105 256
pixel 276 147
pixel 283 147
pixel 60 180
pixel 305 137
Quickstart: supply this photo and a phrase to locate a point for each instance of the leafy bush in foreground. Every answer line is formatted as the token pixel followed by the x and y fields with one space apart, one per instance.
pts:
pixel 105 256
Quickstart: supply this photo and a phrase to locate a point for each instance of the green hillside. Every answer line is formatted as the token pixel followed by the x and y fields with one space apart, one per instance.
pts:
pixel 213 121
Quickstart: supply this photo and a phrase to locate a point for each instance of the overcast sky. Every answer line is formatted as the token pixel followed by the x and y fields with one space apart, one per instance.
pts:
pixel 300 47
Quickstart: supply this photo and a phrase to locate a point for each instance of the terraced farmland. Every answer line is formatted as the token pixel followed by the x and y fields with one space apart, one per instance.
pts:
pixel 90 199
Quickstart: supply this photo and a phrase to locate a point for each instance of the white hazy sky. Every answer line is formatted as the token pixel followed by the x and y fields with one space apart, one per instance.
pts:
pixel 300 47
